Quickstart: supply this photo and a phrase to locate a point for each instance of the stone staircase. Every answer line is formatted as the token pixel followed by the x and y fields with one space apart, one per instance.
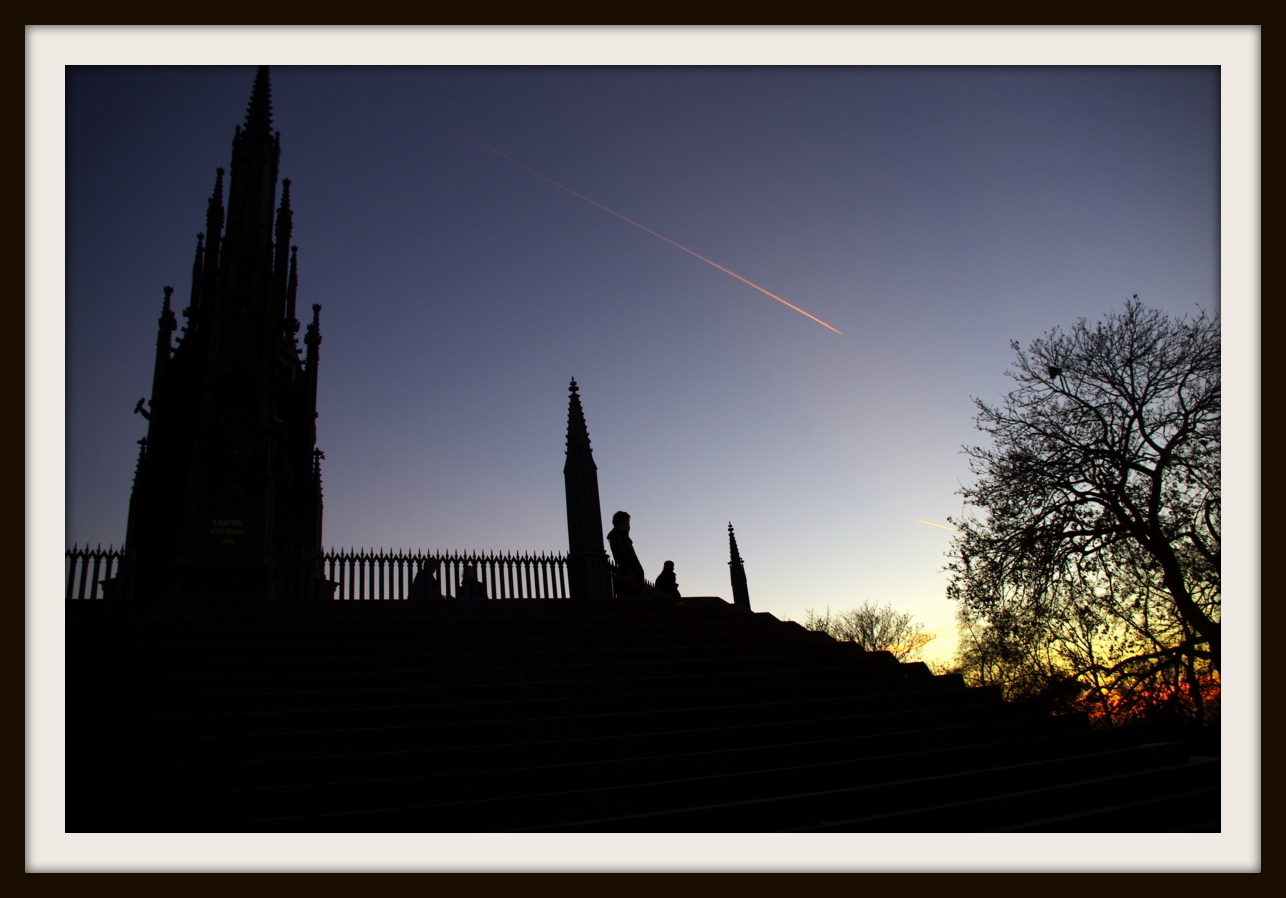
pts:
pixel 567 716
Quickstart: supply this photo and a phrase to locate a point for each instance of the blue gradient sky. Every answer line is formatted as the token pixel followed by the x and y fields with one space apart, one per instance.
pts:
pixel 931 214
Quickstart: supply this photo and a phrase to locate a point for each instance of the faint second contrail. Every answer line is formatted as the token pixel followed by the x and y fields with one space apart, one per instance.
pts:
pixel 599 205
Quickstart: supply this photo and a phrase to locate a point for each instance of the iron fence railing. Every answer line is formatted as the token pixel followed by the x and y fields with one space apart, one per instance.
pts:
pixel 388 575
pixel 88 569
pixel 365 574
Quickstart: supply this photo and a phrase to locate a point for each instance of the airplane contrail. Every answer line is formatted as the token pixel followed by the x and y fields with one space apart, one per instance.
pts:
pixel 943 526
pixel 598 204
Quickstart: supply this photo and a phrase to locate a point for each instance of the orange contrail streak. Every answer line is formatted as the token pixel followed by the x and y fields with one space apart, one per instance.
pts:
pixel 943 526
pixel 605 208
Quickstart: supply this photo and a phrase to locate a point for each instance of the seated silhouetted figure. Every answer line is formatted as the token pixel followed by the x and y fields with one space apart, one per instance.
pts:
pixel 666 585
pixel 629 573
pixel 469 587
pixel 425 585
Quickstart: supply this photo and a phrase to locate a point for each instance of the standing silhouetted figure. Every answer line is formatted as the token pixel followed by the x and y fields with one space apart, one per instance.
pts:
pixel 629 573
pixel 666 584
pixel 425 585
pixel 470 587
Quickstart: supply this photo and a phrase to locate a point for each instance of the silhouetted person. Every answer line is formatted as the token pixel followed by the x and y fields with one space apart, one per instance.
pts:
pixel 469 587
pixel 425 585
pixel 666 585
pixel 629 573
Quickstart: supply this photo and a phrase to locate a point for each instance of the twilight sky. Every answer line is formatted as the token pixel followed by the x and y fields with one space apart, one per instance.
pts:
pixel 930 214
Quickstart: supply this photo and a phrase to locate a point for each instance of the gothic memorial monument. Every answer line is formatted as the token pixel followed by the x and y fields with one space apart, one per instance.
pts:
pixel 227 496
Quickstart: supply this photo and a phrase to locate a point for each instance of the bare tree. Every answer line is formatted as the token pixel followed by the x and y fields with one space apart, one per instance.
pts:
pixel 875 628
pixel 1097 555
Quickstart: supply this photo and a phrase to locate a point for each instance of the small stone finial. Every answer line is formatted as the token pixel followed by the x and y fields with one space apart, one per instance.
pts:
pixel 292 289
pixel 214 222
pixel 284 214
pixel 318 457
pixel 200 256
pixel 214 207
pixel 283 260
pixel 312 337
pixel 168 323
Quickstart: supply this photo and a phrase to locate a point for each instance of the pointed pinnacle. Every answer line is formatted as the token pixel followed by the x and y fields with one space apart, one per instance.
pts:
pixel 733 552
pixel 577 429
pixel 259 112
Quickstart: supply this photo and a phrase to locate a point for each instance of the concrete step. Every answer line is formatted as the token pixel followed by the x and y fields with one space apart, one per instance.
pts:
pixel 742 802
pixel 243 690
pixel 491 802
pixel 238 793
pixel 638 712
pixel 188 657
pixel 462 669
pixel 648 693
pixel 1136 800
pixel 578 737
pixel 974 800
pixel 488 773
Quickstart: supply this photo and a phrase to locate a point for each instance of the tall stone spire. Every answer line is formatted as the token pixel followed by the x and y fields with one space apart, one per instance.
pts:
pixel 740 593
pixel 587 567
pixel 229 486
